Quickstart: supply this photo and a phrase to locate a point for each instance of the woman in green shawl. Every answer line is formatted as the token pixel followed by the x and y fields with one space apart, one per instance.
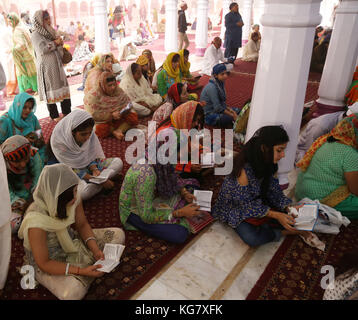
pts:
pixel 23 53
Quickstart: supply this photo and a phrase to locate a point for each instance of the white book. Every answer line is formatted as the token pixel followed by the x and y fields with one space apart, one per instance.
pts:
pixel 203 199
pixel 208 160
pixel 112 254
pixel 306 217
pixel 103 177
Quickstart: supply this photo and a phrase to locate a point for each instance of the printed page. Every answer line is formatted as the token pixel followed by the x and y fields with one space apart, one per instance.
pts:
pixel 107 265
pixel 203 199
pixel 103 177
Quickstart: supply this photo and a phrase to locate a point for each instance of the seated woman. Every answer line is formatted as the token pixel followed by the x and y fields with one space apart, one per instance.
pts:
pixel 151 64
pixel 193 82
pixel 351 96
pixel 217 113
pixel 74 143
pixel 177 94
pixel 251 199
pixel 21 120
pixel 127 50
pixel 152 200
pixel 138 90
pixel 251 48
pixel 169 74
pixel 82 51
pixel 63 256
pixel 255 28
pixel 189 115
pixel 87 68
pixel 104 64
pixel 329 169
pixel 23 165
pixel 143 62
pixel 105 101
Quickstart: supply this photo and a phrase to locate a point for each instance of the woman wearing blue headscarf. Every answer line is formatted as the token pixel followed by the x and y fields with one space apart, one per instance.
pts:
pixel 21 120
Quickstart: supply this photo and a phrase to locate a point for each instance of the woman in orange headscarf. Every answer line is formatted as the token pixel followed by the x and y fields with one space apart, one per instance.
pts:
pixel 189 115
pixel 106 102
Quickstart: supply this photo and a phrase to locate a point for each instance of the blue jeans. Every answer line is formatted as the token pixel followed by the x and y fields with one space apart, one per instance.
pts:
pixel 256 236
pixel 169 232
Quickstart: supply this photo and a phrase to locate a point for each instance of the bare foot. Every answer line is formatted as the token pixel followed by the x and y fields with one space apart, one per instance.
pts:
pixel 108 184
pixel 118 134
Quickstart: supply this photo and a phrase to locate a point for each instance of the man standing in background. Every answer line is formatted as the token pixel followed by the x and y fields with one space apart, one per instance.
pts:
pixel 233 33
pixel 183 26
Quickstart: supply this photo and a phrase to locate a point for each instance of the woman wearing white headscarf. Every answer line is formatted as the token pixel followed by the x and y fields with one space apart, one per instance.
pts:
pixel 5 229
pixel 52 81
pixel 73 142
pixel 63 259
pixel 6 57
pixel 137 88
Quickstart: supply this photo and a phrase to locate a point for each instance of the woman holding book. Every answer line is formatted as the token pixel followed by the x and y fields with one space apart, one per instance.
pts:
pixel 23 164
pixel 329 169
pixel 74 143
pixel 251 200
pixel 63 257
pixel 106 102
pixel 153 197
pixel 189 115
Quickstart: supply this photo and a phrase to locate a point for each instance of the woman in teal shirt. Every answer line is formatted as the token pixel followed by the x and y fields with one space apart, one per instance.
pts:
pixel 21 120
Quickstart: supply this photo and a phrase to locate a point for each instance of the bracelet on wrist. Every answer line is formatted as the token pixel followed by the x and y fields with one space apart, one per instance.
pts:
pixel 67 267
pixel 90 238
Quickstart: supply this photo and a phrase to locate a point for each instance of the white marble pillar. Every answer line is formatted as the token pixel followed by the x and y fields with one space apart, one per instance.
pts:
pixel 282 71
pixel 201 35
pixel 246 14
pixel 259 6
pixel 171 26
pixel 226 5
pixel 101 26
pixel 341 59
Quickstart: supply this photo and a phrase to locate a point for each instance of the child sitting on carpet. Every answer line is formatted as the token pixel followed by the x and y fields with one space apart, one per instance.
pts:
pixel 251 199
pixel 63 259
pixel 23 163
pixel 74 143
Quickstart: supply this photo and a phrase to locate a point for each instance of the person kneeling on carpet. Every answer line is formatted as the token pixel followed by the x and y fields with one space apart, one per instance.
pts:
pixel 153 198
pixel 74 143
pixel 23 163
pixel 251 200
pixel 62 257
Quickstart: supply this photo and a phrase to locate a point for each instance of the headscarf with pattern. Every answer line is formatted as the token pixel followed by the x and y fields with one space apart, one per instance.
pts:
pixel 45 30
pixel 142 60
pixel 182 117
pixel 345 132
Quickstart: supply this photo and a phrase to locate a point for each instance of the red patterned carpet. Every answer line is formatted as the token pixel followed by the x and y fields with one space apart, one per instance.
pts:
pixel 143 257
pixel 294 273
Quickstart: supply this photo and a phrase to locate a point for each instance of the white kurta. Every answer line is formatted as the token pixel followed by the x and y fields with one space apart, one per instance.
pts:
pixel 314 129
pixel 212 57
pixel 5 229
pixel 251 51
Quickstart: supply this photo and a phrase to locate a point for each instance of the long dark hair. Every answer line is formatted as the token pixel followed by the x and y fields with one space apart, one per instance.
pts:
pixel 89 123
pixel 258 153
pixel 62 201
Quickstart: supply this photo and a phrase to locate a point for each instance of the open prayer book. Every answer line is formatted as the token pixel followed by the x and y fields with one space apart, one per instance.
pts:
pixel 103 177
pixel 208 160
pixel 203 199
pixel 112 254
pixel 306 216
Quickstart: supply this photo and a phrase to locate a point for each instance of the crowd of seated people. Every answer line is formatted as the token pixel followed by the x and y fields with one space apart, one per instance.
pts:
pixel 48 183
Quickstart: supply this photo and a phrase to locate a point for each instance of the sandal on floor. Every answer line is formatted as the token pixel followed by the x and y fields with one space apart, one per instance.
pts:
pixel 314 242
